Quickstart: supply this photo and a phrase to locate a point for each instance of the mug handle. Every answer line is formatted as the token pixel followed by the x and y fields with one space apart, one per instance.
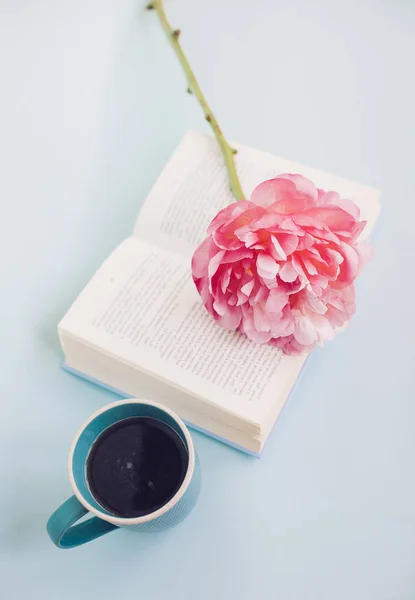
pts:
pixel 62 532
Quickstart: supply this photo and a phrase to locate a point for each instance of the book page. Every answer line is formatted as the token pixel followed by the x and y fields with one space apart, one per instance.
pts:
pixel 194 186
pixel 130 382
pixel 142 307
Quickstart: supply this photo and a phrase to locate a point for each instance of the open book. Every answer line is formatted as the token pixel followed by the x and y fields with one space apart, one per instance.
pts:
pixel 139 326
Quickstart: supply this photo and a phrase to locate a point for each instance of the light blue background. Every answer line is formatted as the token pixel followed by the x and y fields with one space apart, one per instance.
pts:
pixel 92 105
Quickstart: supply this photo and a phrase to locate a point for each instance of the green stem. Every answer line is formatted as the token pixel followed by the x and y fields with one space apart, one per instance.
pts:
pixel 194 88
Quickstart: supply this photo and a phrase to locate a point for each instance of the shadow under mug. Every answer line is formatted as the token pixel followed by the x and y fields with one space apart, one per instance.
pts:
pixel 61 528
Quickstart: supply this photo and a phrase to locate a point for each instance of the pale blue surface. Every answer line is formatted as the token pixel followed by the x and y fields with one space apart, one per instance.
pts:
pixel 92 104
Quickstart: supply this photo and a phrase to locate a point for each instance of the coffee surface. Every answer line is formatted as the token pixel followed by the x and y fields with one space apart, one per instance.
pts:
pixel 136 466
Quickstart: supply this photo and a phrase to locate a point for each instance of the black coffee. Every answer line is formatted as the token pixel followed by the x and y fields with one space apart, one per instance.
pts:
pixel 136 466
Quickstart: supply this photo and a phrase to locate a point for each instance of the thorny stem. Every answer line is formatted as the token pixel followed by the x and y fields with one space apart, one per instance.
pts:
pixel 194 88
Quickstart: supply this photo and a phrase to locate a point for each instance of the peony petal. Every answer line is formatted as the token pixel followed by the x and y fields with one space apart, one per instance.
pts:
pixel 207 299
pixel 310 266
pixel 328 269
pixel 242 298
pixel 225 236
pixel 272 191
pixel 214 263
pixel 225 279
pixel 235 256
pixel 333 198
pixel 347 205
pixel 277 250
pixel 270 283
pixel 355 232
pixel 258 337
pixel 283 324
pixel 247 326
pixel 324 197
pixel 307 242
pixel 202 256
pixel 305 332
pixel 333 217
pixel 329 255
pixel 248 237
pixel 314 303
pixel 298 266
pixel 266 266
pixel 228 214
pixel 232 300
pixel 333 299
pixel 261 319
pixel 314 252
pixel 248 287
pixel 276 301
pixel 304 186
pixel 259 295
pixel 231 319
pixel 323 235
pixel 336 317
pixel 348 297
pixel 291 288
pixel 324 329
pixel 350 266
pixel 226 240
pixel 288 273
pixel 288 226
pixel 267 221
pixel 290 206
pixel 259 247
pixel 220 307
pixel 288 242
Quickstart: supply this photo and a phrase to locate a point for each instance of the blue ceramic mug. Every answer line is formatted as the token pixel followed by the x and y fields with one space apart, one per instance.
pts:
pixel 61 525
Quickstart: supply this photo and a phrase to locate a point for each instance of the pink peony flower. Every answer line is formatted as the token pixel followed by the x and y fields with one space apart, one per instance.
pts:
pixel 281 266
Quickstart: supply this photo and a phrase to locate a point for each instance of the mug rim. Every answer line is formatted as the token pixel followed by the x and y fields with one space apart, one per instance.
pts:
pixel 166 507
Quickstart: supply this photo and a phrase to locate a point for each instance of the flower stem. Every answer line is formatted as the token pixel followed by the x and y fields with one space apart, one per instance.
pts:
pixel 194 88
